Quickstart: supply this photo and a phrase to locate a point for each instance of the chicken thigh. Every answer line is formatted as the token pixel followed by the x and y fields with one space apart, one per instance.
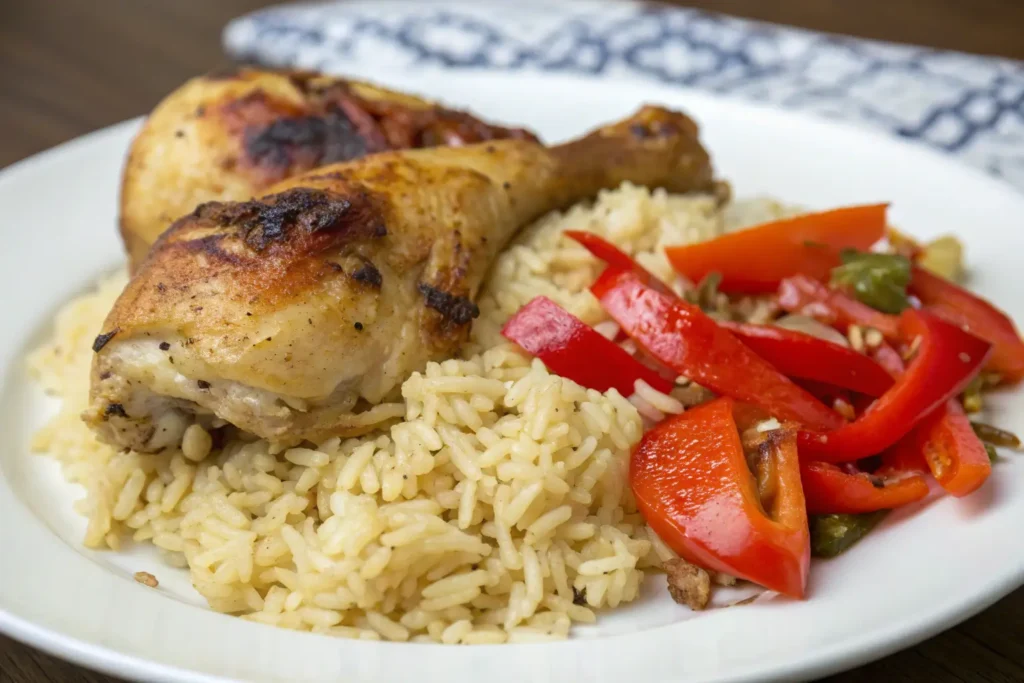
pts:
pixel 295 316
pixel 230 136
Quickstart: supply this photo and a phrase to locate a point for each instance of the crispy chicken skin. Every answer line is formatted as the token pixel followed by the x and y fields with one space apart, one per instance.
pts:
pixel 230 136
pixel 293 315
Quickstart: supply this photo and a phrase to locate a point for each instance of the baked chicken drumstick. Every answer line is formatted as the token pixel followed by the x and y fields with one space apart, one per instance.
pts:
pixel 230 136
pixel 292 316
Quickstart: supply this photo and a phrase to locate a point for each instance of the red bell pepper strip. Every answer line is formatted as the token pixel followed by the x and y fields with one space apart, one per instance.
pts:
pixel 947 359
pixel 616 258
pixel 944 444
pixel 977 316
pixel 830 490
pixel 682 337
pixel 606 251
pixel 572 349
pixel 792 353
pixel 601 248
pixel 796 354
pixel 755 260
pixel 691 482
pixel 906 455
pixel 805 295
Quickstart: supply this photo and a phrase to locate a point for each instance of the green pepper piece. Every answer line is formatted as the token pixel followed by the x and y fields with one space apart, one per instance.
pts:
pixel 993 454
pixel 971 398
pixel 995 435
pixel 878 280
pixel 833 534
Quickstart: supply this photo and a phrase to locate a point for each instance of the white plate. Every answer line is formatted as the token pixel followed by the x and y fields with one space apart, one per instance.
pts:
pixel 905 582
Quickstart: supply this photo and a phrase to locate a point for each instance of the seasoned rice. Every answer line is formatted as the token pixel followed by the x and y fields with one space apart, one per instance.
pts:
pixel 497 511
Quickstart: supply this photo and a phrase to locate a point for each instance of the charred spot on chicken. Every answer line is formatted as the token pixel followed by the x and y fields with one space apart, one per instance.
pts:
pixel 457 310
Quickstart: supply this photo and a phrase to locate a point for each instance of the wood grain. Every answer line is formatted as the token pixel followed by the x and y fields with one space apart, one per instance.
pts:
pixel 71 66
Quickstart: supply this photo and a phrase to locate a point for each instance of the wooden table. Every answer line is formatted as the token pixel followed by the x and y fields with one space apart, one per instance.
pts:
pixel 70 66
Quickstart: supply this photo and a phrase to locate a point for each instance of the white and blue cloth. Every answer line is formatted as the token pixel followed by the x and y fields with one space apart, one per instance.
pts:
pixel 964 105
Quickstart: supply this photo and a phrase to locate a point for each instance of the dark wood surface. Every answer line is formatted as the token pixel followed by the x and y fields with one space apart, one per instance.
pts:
pixel 70 66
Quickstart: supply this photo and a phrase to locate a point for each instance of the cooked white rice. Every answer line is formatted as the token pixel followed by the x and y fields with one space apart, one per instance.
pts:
pixel 498 510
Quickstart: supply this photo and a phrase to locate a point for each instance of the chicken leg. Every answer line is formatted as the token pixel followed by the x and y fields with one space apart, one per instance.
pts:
pixel 292 316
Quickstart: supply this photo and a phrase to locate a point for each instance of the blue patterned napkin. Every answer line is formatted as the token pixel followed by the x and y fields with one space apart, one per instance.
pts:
pixel 968 106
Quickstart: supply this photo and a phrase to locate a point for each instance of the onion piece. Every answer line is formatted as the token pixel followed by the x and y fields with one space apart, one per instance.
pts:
pixel 815 328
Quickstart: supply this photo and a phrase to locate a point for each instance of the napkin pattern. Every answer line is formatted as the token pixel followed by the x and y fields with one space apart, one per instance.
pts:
pixel 965 105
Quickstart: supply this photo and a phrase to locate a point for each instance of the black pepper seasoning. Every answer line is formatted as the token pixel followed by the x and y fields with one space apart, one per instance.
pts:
pixel 115 409
pixel 102 339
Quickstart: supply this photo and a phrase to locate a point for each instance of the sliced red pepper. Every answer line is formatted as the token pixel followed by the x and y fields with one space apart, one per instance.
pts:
pixel 755 260
pixel 906 455
pixel 692 484
pixel 792 353
pixel 684 338
pixel 805 295
pixel 947 359
pixel 796 354
pixel 828 490
pixel 606 251
pixel 955 456
pixel 616 258
pixel 977 316
pixel 572 349
pixel 944 444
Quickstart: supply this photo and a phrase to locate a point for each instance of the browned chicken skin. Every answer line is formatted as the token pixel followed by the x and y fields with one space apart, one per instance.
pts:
pixel 232 135
pixel 294 316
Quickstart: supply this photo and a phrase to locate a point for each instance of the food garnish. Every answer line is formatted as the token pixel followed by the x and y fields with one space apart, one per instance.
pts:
pixel 832 535
pixel 995 435
pixel 695 460
pixel 878 280
pixel 980 317
pixel 803 294
pixel 900 355
pixel 685 339
pixel 755 260
pixel 830 489
pixel 796 354
pixel 574 350
pixel 948 447
pixel 946 361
